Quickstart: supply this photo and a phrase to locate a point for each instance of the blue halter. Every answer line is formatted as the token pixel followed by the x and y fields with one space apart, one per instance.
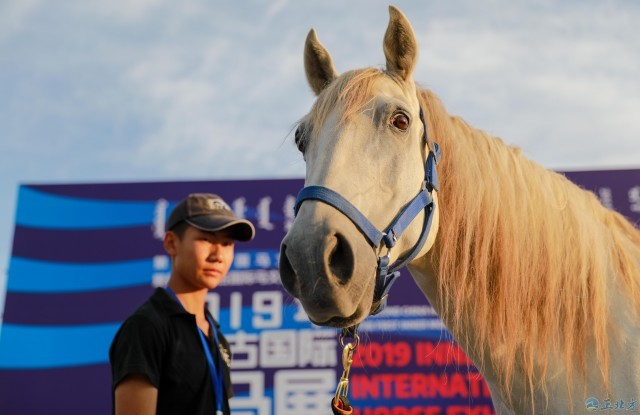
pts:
pixel 386 274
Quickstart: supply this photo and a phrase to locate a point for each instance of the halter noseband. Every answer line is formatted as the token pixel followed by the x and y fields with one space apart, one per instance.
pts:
pixel 386 274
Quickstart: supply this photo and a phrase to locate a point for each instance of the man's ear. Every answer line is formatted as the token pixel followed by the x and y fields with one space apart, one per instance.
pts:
pixel 169 242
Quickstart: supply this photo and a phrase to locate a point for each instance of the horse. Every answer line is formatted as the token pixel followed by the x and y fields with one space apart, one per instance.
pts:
pixel 535 279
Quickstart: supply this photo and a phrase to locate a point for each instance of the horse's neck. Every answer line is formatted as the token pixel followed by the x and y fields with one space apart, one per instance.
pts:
pixel 425 276
pixel 624 357
pixel 465 145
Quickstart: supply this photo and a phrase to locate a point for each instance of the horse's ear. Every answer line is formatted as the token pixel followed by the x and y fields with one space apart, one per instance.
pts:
pixel 400 45
pixel 318 64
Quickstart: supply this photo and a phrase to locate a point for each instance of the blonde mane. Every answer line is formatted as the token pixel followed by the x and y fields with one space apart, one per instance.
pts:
pixel 522 254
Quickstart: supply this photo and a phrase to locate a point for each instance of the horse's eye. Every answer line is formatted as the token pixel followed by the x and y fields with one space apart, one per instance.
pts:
pixel 300 139
pixel 400 121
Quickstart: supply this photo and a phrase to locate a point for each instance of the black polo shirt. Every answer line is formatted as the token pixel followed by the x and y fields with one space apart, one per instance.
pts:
pixel 161 340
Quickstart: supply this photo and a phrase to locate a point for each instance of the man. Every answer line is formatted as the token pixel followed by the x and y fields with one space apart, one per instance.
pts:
pixel 169 356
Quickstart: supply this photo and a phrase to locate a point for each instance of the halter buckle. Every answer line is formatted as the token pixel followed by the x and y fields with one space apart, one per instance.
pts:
pixel 390 238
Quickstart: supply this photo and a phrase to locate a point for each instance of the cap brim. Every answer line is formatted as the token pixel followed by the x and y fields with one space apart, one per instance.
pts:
pixel 241 229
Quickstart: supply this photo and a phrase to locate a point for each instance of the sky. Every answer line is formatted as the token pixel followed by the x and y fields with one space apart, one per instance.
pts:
pixel 158 90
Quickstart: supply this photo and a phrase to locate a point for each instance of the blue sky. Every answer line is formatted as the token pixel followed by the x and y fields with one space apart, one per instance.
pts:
pixel 155 90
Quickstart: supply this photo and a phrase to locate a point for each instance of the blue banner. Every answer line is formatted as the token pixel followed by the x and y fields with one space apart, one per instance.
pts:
pixel 85 256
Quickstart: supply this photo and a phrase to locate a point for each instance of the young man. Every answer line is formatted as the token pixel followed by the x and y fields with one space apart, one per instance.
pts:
pixel 169 357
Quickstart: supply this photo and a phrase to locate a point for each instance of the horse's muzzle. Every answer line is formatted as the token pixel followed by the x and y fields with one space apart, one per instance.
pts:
pixel 327 265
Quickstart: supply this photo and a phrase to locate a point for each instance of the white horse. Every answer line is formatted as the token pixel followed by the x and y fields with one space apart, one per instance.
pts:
pixel 536 280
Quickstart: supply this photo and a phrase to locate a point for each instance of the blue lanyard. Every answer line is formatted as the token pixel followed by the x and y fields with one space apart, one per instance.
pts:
pixel 216 375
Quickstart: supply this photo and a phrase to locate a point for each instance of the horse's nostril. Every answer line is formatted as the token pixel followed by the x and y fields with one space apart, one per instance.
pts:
pixel 287 274
pixel 341 259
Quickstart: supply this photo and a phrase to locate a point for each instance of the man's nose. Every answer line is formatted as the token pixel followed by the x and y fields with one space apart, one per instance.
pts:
pixel 214 253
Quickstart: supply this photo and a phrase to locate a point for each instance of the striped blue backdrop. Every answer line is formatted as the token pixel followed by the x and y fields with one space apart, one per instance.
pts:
pixel 82 260
pixel 85 256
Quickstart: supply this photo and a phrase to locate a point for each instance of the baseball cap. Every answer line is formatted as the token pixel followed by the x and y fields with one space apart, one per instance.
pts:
pixel 210 213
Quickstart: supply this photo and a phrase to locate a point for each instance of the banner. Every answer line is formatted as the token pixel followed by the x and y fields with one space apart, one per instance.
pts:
pixel 85 256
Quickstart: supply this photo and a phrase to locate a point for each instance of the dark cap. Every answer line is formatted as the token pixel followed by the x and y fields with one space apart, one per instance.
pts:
pixel 210 213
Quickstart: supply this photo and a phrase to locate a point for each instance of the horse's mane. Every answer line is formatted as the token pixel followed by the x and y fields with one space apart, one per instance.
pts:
pixel 523 255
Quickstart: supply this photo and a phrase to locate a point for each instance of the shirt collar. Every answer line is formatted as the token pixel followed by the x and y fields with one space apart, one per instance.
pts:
pixel 172 307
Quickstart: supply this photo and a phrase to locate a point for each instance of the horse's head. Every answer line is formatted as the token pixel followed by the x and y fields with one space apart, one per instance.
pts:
pixel 364 142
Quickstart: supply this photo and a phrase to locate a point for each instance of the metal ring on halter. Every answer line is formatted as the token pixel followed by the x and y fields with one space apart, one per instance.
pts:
pixel 388 243
pixel 351 332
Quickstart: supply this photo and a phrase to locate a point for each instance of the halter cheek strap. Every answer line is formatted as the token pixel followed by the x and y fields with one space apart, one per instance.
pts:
pixel 386 274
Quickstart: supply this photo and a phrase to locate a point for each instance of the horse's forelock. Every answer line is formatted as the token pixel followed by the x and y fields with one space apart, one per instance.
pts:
pixel 351 91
